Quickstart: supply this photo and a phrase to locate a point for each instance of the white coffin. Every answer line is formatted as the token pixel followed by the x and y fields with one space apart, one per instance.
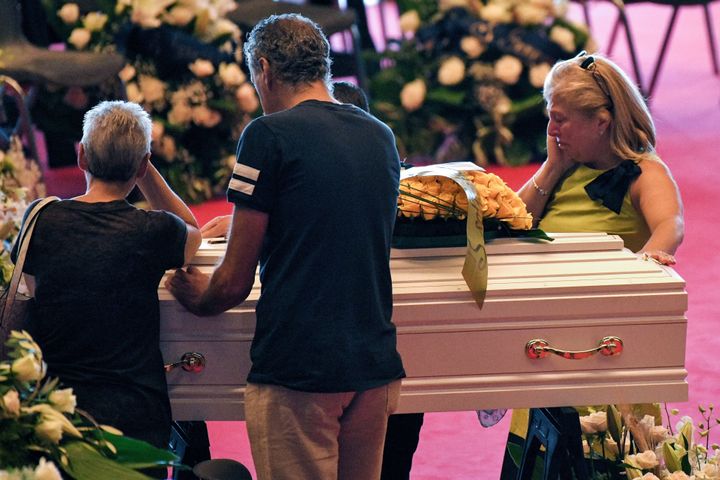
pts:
pixel 572 293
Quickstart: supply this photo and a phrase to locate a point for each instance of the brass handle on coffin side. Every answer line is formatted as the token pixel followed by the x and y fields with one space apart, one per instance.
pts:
pixel 192 362
pixel 539 348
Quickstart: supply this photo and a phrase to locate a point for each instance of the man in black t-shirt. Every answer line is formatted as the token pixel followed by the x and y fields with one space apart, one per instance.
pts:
pixel 315 195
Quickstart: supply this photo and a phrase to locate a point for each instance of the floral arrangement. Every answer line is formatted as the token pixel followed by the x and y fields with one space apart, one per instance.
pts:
pixel 19 184
pixel 42 432
pixel 465 82
pixel 621 443
pixel 183 68
pixel 431 197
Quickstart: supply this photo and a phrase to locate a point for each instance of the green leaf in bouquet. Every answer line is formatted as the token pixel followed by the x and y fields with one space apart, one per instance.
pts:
pixel 673 457
pixel 497 228
pixel 86 463
pixel 135 453
pixel 614 423
pixel 527 104
pixel 446 96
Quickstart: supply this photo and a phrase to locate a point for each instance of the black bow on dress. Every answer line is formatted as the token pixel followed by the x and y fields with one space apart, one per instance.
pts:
pixel 610 187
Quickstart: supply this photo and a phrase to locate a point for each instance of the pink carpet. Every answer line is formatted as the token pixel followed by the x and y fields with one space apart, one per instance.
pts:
pixel 686 107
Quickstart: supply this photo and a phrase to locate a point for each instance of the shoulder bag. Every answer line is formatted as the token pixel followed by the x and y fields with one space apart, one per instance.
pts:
pixel 15 305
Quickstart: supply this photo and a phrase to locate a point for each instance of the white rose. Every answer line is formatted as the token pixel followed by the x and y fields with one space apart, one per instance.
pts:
pixel 95 21
pixel 50 430
pixel 452 71
pixel 495 13
pixel 679 475
pixel 69 13
pixel 202 68
pixel 27 368
pixel 560 8
pixel 132 90
pixel 410 21
pixel 538 73
pixel 472 46
pixel 563 37
pixel 63 400
pixel 205 116
pixel 127 73
pixel 508 69
pixel 649 476
pixel 180 16
pixel 231 74
pixel 152 89
pixel 246 98
pixel 711 471
pixel 158 130
pixel 530 14
pixel 11 403
pixel 593 423
pixel 47 471
pixel 79 38
pixel 224 27
pixel 145 13
pixel 448 4
pixel 168 148
pixel 413 94
pixel 180 114
pixel 646 459
pixel 658 434
pixel 49 415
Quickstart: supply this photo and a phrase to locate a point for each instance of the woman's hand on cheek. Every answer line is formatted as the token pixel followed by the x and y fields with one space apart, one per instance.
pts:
pixel 557 157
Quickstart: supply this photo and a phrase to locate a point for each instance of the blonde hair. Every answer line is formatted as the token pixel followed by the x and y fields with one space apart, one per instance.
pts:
pixel 592 83
pixel 116 137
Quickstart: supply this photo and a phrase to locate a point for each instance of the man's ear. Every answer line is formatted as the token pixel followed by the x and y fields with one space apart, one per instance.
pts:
pixel 265 70
pixel 142 169
pixel 82 159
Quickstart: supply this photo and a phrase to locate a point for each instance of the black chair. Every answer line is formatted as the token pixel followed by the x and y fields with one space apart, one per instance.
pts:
pixel 558 430
pixel 332 20
pixel 26 62
pixel 622 20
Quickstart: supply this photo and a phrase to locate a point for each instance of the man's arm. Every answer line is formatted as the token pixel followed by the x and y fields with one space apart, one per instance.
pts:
pixel 233 278
pixel 161 197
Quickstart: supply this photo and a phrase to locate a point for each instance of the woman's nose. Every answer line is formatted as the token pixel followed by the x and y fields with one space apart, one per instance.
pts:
pixel 552 129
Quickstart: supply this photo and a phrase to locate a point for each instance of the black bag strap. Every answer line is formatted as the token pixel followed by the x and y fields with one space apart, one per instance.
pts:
pixel 23 243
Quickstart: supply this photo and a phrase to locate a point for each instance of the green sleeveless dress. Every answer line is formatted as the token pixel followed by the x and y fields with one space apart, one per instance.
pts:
pixel 570 209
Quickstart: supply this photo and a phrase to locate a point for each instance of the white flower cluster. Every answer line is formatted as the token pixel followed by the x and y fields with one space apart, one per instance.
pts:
pixel 665 457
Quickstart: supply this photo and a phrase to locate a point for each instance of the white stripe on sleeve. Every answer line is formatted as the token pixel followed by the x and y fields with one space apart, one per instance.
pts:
pixel 240 186
pixel 246 171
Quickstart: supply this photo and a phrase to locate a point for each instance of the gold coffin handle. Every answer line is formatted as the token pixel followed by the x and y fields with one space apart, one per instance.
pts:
pixel 192 362
pixel 539 348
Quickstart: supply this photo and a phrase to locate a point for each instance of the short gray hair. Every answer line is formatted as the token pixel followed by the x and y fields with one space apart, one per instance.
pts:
pixel 116 137
pixel 295 47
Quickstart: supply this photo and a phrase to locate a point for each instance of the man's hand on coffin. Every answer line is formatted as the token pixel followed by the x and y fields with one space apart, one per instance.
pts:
pixel 188 286
pixel 217 227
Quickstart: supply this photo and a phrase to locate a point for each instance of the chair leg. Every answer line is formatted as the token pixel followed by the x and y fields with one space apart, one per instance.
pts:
pixel 357 53
pixel 711 38
pixel 622 19
pixel 663 50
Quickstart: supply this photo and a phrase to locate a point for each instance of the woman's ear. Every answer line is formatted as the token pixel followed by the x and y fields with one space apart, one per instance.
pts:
pixel 603 121
pixel 82 159
pixel 142 169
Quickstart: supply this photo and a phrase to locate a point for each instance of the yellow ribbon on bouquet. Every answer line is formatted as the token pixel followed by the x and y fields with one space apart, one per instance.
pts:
pixel 475 268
